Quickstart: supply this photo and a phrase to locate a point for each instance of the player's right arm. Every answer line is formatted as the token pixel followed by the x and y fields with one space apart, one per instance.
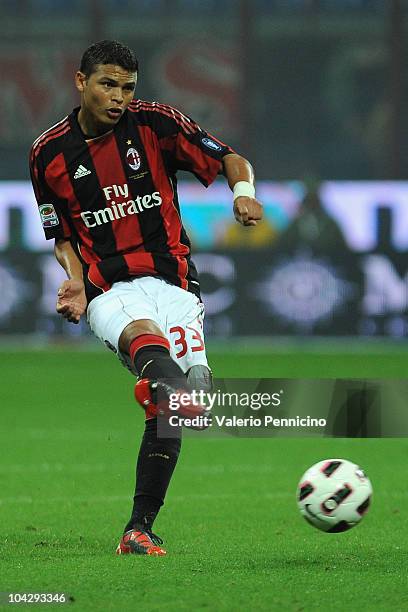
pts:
pixel 71 301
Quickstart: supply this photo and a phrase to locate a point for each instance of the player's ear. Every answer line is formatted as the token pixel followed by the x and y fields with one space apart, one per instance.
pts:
pixel 80 80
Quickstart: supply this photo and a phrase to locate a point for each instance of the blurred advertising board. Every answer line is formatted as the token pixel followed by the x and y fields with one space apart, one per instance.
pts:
pixel 334 264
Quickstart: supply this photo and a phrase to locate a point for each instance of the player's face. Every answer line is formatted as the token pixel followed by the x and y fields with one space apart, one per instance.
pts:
pixel 105 95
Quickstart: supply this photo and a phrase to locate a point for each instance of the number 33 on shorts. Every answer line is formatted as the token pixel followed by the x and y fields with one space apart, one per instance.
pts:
pixel 187 345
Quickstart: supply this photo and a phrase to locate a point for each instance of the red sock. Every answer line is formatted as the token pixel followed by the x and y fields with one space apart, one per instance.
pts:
pixel 147 340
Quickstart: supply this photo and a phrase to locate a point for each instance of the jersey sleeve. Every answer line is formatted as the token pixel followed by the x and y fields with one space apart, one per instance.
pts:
pixel 190 148
pixel 53 211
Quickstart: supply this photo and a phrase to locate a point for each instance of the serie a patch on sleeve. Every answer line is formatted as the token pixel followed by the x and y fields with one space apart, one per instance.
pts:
pixel 211 144
pixel 49 217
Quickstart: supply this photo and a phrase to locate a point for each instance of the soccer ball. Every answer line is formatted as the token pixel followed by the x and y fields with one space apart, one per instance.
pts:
pixel 333 495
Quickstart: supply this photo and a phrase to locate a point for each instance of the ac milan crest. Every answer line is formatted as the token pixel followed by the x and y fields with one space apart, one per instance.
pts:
pixel 133 158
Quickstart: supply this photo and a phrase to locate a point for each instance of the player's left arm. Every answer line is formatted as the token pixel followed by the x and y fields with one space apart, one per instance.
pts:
pixel 240 176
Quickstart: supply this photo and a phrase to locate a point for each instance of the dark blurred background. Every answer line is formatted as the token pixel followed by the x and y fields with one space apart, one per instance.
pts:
pixel 313 92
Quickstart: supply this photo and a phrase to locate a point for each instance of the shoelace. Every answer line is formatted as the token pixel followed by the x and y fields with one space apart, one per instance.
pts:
pixel 154 538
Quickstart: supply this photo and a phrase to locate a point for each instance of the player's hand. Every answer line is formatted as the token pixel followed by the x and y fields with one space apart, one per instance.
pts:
pixel 71 302
pixel 247 211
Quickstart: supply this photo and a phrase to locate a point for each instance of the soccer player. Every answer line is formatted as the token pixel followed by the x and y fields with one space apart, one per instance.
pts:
pixel 105 182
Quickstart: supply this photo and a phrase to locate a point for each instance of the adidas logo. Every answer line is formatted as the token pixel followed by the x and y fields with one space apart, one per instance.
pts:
pixel 81 171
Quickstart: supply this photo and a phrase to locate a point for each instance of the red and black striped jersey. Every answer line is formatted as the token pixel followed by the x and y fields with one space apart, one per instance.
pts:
pixel 115 196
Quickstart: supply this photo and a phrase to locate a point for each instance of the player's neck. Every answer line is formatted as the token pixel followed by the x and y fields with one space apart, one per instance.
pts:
pixel 90 129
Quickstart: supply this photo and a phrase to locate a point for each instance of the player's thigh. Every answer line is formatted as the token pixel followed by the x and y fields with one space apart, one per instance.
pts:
pixel 184 328
pixel 111 313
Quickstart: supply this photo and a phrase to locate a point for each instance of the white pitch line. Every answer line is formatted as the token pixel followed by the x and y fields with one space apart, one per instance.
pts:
pixel 26 499
pixel 58 467
pixel 62 434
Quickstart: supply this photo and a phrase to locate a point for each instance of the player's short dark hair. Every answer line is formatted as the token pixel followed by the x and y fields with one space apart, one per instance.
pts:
pixel 108 52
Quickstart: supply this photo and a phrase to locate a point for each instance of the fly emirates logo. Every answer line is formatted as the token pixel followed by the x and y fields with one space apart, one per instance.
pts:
pixel 119 210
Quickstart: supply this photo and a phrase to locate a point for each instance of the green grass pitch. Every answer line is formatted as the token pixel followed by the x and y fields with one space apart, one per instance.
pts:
pixel 235 540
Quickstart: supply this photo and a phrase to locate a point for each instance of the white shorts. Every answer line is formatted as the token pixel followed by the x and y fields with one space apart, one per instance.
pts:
pixel 178 313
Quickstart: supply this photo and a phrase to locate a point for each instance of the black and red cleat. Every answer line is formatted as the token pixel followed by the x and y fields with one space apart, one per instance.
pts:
pixel 139 542
pixel 154 397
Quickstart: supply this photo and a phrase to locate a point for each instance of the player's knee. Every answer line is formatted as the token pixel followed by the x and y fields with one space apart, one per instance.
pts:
pixel 135 329
pixel 200 378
